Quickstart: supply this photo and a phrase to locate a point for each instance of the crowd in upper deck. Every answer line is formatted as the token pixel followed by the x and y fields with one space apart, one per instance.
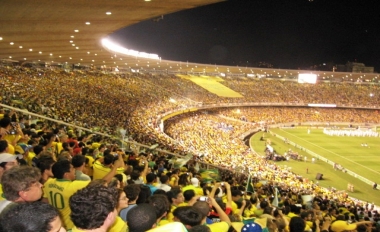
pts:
pixel 109 102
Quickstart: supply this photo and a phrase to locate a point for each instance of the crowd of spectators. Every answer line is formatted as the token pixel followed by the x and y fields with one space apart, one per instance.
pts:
pixel 110 102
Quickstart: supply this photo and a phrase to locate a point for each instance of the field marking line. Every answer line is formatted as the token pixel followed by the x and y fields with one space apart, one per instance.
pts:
pixel 332 152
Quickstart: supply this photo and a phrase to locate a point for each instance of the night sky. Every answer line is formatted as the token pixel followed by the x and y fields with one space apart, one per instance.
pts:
pixel 287 34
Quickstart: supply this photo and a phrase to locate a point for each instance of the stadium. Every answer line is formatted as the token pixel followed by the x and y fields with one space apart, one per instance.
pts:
pixel 262 128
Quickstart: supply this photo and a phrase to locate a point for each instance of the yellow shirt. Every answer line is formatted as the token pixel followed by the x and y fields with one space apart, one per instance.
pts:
pixel 30 157
pixel 1 193
pixel 118 226
pixel 58 193
pixel 219 227
pixel 10 139
pixel 101 171
pixel 91 161
pixel 57 147
pixel 170 216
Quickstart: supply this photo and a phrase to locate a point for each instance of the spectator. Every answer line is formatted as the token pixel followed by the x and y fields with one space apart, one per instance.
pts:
pixel 59 189
pixel 78 163
pixel 164 179
pixel 93 208
pixel 103 165
pixel 175 197
pixel 132 192
pixel 151 180
pixel 7 161
pixel 142 218
pixel 20 184
pixel 45 164
pixel 161 205
pixel 31 217
pixel 122 203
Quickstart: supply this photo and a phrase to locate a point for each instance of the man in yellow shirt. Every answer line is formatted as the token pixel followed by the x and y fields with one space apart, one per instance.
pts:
pixel 58 190
pixel 103 165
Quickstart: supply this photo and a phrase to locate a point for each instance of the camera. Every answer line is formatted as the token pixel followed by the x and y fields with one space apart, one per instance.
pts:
pixel 203 198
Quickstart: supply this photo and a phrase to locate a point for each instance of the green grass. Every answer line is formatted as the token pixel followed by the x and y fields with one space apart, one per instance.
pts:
pixel 347 151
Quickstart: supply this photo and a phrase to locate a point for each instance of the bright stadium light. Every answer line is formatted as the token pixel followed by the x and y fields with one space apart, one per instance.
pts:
pixel 307 78
pixel 119 49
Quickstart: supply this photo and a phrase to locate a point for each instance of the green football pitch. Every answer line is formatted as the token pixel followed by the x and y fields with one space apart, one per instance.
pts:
pixel 346 151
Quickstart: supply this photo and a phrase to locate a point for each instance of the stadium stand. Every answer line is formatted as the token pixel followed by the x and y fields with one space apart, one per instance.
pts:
pixel 91 108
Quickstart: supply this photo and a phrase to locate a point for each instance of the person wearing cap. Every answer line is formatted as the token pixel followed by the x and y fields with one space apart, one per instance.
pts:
pixel 195 182
pixel 20 184
pixel 7 161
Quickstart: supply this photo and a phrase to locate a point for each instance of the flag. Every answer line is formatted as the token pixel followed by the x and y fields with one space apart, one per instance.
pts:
pixel 179 162
pixel 249 187
pixel 275 200
pixel 210 175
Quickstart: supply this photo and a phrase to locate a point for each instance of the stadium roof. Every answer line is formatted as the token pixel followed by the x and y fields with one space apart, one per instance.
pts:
pixel 41 30
pixel 71 31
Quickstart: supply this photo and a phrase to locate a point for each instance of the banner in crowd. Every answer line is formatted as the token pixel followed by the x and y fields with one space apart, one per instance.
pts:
pixel 210 175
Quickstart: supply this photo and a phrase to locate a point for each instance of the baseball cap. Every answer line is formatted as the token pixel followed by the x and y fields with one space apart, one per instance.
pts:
pixel 22 148
pixel 6 157
pixel 339 226
pixel 194 181
pixel 251 227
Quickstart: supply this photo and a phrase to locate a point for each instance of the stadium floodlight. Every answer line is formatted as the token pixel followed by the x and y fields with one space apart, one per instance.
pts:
pixel 129 52
pixel 307 78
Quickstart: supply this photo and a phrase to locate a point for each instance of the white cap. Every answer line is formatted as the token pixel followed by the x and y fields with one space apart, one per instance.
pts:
pixel 194 181
pixel 6 157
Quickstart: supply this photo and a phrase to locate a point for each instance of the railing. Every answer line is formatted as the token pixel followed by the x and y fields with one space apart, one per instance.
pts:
pixel 125 143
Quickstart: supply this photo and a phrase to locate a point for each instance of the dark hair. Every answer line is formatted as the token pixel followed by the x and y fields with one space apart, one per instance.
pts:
pixel 173 193
pixel 188 194
pixel 141 218
pixel 108 159
pixel 91 205
pixel 144 194
pixel 18 179
pixel 164 179
pixel 160 192
pixel 199 228
pixel 22 217
pixel 296 224
pixel 3 145
pixel 60 168
pixel 150 177
pixel 183 180
pixel 38 149
pixel 188 215
pixel 160 203
pixel 5 121
pixel 44 163
pixel 78 161
pixel 132 191
pixel 203 207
